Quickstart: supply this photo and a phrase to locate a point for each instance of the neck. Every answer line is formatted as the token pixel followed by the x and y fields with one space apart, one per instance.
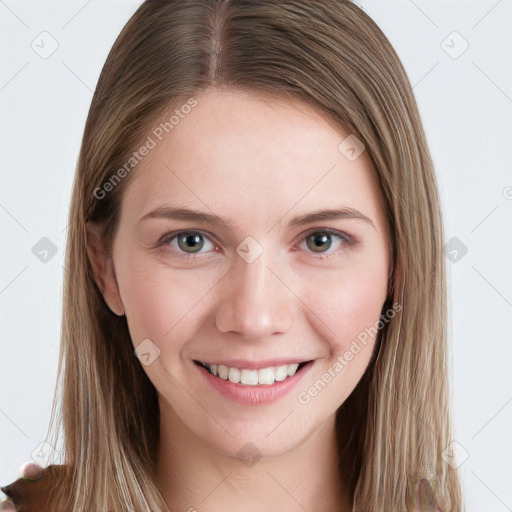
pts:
pixel 193 476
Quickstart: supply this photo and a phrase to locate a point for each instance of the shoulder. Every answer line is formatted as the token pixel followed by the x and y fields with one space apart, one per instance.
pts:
pixel 35 495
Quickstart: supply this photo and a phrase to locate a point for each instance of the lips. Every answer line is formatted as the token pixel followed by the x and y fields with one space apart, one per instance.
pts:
pixel 245 391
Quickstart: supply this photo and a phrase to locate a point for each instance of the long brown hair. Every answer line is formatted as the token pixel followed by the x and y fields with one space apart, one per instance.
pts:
pixel 395 425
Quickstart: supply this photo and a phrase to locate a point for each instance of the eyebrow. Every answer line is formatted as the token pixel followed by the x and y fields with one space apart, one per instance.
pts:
pixel 214 220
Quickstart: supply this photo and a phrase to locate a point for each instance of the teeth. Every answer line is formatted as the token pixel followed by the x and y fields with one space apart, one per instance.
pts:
pixel 291 369
pixel 234 375
pixel 223 371
pixel 280 373
pixel 265 376
pixel 247 377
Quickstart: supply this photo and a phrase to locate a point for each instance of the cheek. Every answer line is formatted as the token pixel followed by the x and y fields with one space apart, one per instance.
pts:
pixel 161 302
pixel 349 306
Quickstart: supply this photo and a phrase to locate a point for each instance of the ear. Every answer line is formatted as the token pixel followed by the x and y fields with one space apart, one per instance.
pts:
pixel 103 267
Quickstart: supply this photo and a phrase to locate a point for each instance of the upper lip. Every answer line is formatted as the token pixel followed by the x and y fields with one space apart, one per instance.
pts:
pixel 253 365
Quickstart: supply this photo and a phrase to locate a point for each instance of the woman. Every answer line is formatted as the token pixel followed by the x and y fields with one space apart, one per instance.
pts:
pixel 254 307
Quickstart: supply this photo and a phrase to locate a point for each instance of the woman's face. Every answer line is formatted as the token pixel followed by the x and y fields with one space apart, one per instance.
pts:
pixel 222 257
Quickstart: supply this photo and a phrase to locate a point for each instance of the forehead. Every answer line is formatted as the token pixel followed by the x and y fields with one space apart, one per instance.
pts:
pixel 249 158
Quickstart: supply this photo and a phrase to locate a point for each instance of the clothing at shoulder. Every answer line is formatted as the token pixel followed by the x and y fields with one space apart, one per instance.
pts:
pixel 33 495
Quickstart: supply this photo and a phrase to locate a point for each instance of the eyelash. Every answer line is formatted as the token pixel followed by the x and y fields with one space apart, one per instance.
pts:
pixel 165 241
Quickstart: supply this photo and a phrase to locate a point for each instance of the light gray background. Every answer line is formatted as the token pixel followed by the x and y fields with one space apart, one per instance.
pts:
pixel 466 105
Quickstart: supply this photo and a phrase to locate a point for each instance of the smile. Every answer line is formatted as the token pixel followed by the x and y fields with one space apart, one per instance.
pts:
pixel 253 377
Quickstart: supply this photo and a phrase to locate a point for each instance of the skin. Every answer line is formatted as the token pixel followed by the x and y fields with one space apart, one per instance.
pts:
pixel 258 163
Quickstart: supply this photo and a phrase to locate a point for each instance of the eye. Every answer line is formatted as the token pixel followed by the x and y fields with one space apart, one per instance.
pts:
pixel 189 242
pixel 321 241
pixel 192 243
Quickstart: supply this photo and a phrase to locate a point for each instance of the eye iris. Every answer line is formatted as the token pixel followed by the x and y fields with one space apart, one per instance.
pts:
pixel 320 242
pixel 190 242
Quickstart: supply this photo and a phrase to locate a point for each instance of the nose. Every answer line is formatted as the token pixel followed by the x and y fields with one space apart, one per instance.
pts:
pixel 255 301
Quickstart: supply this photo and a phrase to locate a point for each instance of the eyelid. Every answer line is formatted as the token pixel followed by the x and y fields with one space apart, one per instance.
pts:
pixel 169 236
pixel 330 231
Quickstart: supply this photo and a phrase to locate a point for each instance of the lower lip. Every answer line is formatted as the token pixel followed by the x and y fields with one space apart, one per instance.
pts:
pixel 254 395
